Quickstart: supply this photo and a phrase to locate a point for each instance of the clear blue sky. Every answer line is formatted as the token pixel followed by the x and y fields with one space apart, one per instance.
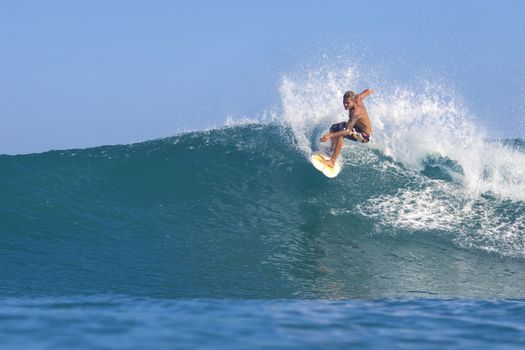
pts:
pixel 86 73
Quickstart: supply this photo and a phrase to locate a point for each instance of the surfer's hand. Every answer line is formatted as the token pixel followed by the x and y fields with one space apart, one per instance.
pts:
pixel 325 137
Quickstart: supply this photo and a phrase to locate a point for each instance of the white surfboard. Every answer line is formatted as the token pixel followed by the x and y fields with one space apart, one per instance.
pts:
pixel 325 169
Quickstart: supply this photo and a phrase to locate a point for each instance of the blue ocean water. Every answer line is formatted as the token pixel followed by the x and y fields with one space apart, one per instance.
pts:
pixel 137 323
pixel 229 238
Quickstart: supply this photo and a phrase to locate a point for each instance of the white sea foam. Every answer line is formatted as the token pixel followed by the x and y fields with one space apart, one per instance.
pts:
pixel 313 101
pixel 483 223
pixel 412 125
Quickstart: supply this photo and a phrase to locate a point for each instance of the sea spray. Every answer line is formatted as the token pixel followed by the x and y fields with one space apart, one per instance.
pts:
pixel 412 123
pixel 462 179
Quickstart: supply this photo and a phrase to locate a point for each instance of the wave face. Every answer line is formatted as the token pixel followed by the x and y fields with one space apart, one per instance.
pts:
pixel 239 212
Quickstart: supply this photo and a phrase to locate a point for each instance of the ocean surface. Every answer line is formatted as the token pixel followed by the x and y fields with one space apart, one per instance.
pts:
pixel 230 239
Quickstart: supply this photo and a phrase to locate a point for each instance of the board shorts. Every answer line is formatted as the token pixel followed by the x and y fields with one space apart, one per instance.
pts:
pixel 356 135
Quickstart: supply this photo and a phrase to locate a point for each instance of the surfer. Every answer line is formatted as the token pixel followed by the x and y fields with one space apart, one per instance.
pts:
pixel 358 128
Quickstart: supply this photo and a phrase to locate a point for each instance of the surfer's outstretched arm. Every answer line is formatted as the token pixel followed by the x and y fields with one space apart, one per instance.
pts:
pixel 365 93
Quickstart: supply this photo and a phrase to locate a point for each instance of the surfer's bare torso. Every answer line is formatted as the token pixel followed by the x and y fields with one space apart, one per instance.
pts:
pixel 357 113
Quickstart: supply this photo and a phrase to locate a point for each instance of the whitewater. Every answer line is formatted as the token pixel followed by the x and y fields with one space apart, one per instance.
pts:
pixel 230 236
pixel 466 181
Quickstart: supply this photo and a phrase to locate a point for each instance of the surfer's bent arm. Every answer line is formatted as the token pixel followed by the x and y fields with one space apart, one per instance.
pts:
pixel 331 135
pixel 345 132
pixel 365 93
pixel 339 133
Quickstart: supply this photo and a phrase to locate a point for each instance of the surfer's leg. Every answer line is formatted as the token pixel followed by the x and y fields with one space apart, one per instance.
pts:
pixel 338 142
pixel 338 147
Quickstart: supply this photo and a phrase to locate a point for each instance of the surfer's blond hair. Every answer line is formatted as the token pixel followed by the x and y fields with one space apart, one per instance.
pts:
pixel 349 94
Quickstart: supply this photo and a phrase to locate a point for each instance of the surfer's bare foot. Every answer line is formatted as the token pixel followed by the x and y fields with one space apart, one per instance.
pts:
pixel 328 162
